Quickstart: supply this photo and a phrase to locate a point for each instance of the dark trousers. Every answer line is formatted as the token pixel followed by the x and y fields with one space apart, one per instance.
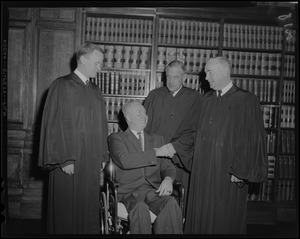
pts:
pixel 167 210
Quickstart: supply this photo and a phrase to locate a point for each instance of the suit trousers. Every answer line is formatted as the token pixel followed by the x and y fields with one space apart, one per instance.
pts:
pixel 166 208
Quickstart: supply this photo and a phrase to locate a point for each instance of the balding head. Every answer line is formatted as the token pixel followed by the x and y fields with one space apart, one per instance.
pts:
pixel 135 115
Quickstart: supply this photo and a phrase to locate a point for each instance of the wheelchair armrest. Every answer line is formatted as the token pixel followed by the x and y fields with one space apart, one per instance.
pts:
pixel 178 186
pixel 178 192
pixel 113 185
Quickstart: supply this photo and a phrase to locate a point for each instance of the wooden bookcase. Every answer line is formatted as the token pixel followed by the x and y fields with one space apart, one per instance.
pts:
pixel 138 44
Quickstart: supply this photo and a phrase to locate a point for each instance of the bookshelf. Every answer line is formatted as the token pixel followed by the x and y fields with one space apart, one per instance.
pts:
pixel 139 43
pixel 191 41
pixel 285 187
pixel 127 43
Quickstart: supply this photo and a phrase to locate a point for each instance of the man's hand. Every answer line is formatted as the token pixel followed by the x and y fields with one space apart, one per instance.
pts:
pixel 166 150
pixel 234 179
pixel 69 169
pixel 166 187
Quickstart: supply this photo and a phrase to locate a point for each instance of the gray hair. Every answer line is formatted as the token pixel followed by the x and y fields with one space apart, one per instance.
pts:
pixel 175 63
pixel 87 48
pixel 128 104
pixel 223 61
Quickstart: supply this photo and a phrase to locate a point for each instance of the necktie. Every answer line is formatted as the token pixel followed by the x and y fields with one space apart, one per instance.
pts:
pixel 219 94
pixel 141 140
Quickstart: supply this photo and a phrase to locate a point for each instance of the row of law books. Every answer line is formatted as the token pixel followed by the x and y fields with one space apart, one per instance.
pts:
pixel 254 63
pixel 271 166
pixel 126 57
pixel 270 115
pixel 289 92
pixel 188 32
pixel 264 192
pixel 271 142
pixel 286 166
pixel 191 81
pixel 113 127
pixel 290 66
pixel 253 36
pixel 291 41
pixel 287 116
pixel 114 106
pixel 119 30
pixel 123 82
pixel 285 190
pixel 266 90
pixel 287 141
pixel 193 59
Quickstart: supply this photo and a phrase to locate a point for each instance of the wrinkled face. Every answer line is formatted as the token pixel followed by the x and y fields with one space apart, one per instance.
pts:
pixel 136 116
pixel 215 74
pixel 175 78
pixel 92 63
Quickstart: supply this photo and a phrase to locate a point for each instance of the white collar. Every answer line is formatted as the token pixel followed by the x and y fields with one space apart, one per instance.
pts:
pixel 226 88
pixel 81 76
pixel 135 133
pixel 175 92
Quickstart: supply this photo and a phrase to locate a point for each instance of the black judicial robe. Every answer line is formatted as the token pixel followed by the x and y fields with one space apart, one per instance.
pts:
pixel 230 139
pixel 165 114
pixel 73 130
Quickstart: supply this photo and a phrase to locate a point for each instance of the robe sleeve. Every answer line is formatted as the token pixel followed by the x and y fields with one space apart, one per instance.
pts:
pixel 148 104
pixel 183 139
pixel 103 129
pixel 249 144
pixel 57 128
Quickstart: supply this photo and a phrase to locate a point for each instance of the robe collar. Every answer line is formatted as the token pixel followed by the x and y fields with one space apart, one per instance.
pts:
pixel 80 75
pixel 226 88
pixel 175 93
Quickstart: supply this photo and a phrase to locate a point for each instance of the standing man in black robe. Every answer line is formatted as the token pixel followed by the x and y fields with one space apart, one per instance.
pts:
pixel 166 108
pixel 229 152
pixel 73 144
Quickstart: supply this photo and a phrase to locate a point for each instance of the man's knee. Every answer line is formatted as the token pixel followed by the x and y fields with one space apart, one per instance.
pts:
pixel 172 203
pixel 139 218
pixel 140 207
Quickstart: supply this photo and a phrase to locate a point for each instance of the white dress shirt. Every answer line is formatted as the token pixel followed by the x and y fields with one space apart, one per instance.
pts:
pixel 81 76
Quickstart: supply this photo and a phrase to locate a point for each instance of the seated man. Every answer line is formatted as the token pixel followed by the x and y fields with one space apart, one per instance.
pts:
pixel 145 177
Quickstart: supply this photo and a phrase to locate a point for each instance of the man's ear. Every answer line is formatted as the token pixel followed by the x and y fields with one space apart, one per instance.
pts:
pixel 127 117
pixel 82 59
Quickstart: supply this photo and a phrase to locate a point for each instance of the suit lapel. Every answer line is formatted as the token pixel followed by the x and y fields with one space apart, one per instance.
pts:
pixel 148 141
pixel 133 140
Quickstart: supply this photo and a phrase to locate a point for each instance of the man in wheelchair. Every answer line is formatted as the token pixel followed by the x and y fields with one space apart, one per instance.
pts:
pixel 145 176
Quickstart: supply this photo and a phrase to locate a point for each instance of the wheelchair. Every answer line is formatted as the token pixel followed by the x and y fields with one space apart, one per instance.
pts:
pixel 113 214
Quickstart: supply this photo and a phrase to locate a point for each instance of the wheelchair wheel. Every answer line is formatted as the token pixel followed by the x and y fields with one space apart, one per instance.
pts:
pixel 103 214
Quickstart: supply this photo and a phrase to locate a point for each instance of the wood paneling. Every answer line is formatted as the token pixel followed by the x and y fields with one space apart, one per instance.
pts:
pixel 13 162
pixel 55 51
pixel 16 40
pixel 20 13
pixel 40 46
pixel 58 14
pixel 286 214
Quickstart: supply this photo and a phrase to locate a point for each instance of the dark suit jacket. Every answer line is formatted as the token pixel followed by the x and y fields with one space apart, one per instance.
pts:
pixel 135 168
